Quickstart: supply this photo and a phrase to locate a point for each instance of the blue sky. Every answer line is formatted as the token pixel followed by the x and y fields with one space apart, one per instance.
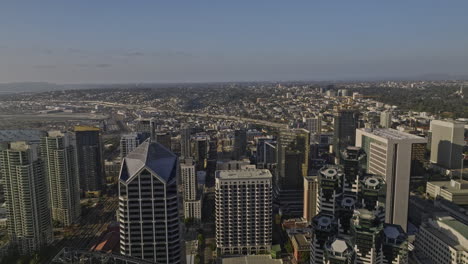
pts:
pixel 179 41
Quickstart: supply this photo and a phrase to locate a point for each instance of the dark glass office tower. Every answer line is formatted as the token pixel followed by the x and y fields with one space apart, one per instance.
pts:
pixel 90 161
pixel 345 124
pixel 148 205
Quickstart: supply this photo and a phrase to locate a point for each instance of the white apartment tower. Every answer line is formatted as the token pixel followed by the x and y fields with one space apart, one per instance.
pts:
pixel 243 211
pixel 129 142
pixel 148 205
pixel 192 201
pixel 58 152
pixel 314 124
pixel 389 154
pixel 26 196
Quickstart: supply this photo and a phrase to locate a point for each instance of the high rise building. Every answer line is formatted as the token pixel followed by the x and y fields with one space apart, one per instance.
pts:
pixel 314 126
pixel 90 161
pixel 345 123
pixel 311 188
pixel 389 154
pixel 148 205
pixel 129 142
pixel 147 127
pixel 352 159
pixel 28 136
pixel 338 251
pixel 243 211
pixel 350 229
pixel 293 164
pixel 395 245
pixel 324 229
pixel 372 195
pixel 331 190
pixel 240 143
pixel 367 232
pixel 163 138
pixel 200 151
pixel 293 143
pixel 185 133
pixel 266 153
pixel 447 143
pixel 386 119
pixel 58 152
pixel 27 197
pixel 191 195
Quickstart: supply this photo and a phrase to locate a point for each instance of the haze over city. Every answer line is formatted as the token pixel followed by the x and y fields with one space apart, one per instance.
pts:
pixel 205 41
pixel 233 132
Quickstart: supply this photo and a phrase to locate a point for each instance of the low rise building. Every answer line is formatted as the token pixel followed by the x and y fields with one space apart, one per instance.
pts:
pixel 455 191
pixel 442 240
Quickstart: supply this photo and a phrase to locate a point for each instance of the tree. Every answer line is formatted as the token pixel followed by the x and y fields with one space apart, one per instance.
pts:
pixel 288 247
pixel 35 259
pixel 213 247
pixel 304 256
pixel 197 259
pixel 189 222
pixel 201 239
pixel 421 189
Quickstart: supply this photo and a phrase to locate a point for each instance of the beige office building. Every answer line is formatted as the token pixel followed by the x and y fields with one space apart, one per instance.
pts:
pixel 447 143
pixel 311 188
pixel 389 153
pixel 455 191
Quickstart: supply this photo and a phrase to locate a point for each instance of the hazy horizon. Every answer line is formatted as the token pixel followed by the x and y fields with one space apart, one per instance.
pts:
pixel 107 42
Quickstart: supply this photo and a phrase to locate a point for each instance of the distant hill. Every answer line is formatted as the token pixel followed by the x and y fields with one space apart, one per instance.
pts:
pixel 28 87
pixel 22 87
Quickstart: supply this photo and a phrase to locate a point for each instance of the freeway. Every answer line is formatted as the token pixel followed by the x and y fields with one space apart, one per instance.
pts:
pixel 153 109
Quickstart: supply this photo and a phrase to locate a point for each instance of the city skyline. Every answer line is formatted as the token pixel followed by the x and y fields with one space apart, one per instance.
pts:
pixel 210 41
pixel 221 132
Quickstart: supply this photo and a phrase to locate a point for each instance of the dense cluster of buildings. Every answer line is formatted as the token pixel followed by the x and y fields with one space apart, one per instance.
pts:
pixel 336 179
pixel 43 177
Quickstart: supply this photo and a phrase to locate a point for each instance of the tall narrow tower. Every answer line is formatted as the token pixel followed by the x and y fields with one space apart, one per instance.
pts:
pixel 90 163
pixel 58 151
pixel 26 195
pixel 389 153
pixel 148 205
pixel 192 199
pixel 345 124
pixel 185 145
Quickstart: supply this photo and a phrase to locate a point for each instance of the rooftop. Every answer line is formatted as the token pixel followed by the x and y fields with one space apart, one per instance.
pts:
pixel 301 241
pixel 448 123
pixel 391 232
pixel 339 246
pixel 86 128
pixel 252 259
pixel 457 226
pixel 394 233
pixel 243 174
pixel 392 134
pixel 20 135
pixel 458 187
pixel 154 156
